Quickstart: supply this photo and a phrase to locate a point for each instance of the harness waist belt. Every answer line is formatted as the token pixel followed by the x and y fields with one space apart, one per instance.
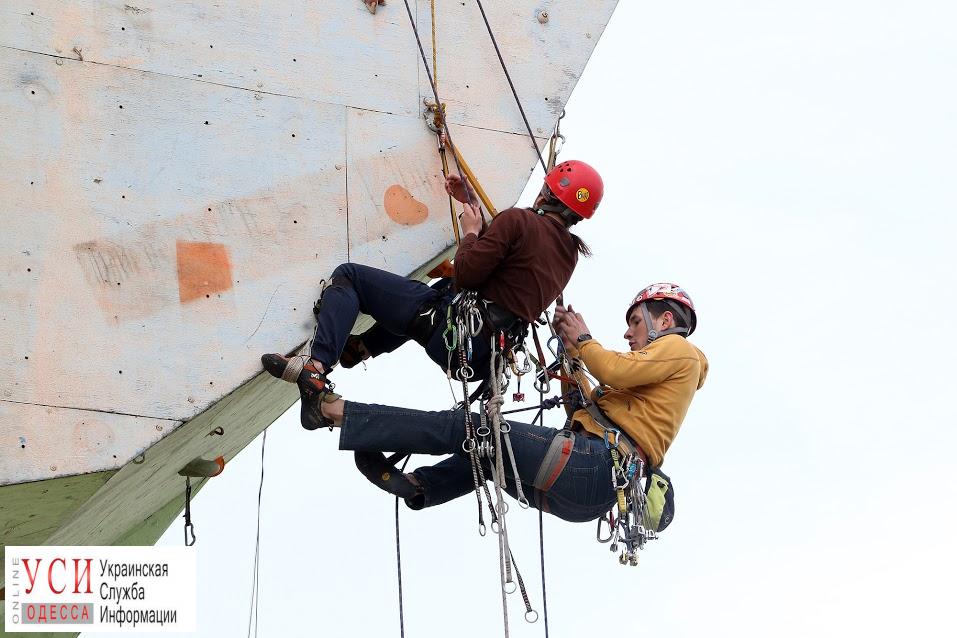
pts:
pixel 499 317
pixel 624 443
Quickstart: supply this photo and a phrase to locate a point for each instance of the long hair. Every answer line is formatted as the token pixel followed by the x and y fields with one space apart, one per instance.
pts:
pixel 583 249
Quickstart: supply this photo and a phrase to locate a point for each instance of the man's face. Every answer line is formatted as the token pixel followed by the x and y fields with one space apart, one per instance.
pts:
pixel 637 333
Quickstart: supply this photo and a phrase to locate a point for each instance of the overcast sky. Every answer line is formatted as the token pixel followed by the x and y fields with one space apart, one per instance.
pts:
pixel 792 164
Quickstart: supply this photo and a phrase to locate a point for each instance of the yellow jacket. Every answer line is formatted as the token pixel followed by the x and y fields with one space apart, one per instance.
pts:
pixel 647 392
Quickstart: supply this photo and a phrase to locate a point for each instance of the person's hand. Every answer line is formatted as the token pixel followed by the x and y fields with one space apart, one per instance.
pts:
pixel 459 189
pixel 569 325
pixel 470 220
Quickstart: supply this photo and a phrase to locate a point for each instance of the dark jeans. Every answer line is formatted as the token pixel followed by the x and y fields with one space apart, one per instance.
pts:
pixel 393 301
pixel 583 491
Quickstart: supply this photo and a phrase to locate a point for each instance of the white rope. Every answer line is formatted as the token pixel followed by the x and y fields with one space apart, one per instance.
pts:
pixel 498 478
pixel 495 403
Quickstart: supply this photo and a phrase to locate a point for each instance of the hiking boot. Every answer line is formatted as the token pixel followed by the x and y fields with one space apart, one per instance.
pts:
pixel 385 476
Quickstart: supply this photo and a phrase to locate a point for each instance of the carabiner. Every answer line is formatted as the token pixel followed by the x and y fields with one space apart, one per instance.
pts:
pixel 611 530
pixel 558 350
pixel 609 445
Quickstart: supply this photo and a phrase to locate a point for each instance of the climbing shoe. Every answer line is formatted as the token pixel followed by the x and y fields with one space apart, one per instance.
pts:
pixel 314 387
pixel 298 369
pixel 310 414
pixel 385 476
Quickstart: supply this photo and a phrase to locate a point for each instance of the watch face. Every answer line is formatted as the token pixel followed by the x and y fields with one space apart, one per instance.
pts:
pixel 584 337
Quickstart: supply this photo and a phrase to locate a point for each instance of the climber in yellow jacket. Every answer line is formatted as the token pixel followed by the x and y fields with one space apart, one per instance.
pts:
pixel 644 392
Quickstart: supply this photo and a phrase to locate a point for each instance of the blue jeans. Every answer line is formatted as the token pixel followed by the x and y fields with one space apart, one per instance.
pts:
pixel 393 301
pixel 583 491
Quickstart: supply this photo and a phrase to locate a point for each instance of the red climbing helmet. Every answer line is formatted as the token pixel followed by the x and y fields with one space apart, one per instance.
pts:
pixel 577 185
pixel 677 298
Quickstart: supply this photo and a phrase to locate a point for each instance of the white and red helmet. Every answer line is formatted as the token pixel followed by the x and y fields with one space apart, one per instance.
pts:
pixel 677 299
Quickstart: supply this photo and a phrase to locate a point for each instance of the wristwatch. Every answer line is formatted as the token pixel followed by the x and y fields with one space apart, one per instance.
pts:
pixel 583 337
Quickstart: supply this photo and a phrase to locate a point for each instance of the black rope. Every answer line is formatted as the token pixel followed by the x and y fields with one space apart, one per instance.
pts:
pixel 254 597
pixel 508 77
pixel 544 404
pixel 541 545
pixel 398 557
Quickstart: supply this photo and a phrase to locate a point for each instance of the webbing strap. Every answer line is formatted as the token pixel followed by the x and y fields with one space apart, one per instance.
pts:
pixel 553 464
pixel 622 441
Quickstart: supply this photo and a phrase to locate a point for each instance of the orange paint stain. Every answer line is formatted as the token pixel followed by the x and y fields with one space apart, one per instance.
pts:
pixel 402 208
pixel 202 269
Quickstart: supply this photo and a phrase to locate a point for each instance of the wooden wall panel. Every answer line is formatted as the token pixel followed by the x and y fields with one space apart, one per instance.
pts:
pixel 544 60
pixel 41 442
pixel 148 256
pixel 398 209
pixel 325 50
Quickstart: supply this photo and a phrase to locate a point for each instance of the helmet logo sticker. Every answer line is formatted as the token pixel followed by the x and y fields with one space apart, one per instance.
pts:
pixel 582 195
pixel 564 182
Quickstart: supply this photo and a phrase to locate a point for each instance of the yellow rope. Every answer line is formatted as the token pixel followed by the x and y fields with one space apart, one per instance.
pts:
pixel 439 113
pixel 478 187
pixel 435 65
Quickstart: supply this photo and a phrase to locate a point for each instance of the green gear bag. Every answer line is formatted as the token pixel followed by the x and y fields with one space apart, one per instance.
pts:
pixel 659 501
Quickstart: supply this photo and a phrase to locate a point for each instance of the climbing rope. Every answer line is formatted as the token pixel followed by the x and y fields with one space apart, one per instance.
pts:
pixel 398 559
pixel 253 629
pixel 511 84
pixel 541 547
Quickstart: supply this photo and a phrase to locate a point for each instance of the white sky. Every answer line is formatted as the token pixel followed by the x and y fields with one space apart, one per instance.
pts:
pixel 792 165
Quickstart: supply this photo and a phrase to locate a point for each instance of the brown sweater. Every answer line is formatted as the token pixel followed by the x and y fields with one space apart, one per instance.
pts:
pixel 521 261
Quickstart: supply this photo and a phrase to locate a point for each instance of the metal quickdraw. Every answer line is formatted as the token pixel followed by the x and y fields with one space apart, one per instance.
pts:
pixel 627 528
pixel 463 323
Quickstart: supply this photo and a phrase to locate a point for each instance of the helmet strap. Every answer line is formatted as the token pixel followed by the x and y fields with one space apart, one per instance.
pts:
pixel 654 334
pixel 567 215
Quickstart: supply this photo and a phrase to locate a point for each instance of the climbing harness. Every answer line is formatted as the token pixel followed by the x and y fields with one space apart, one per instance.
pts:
pixel 629 463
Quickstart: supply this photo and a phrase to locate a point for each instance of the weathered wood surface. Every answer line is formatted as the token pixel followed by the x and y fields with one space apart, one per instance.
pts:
pixel 415 186
pixel 544 59
pixel 31 512
pixel 333 51
pixel 61 442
